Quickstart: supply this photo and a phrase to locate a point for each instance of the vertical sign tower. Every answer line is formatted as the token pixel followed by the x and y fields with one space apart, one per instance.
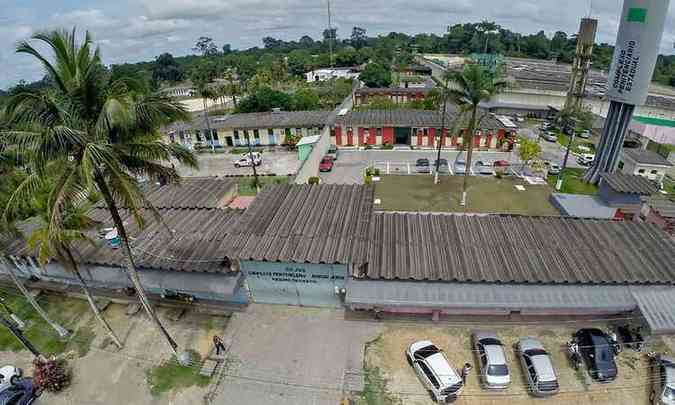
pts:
pixel 635 54
pixel 582 63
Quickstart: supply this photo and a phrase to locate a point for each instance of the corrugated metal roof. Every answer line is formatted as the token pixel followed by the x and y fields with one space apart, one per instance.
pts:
pixel 646 157
pixel 281 119
pixel 629 183
pixel 307 224
pixel 665 207
pixel 193 193
pixel 407 118
pixel 489 296
pixel 512 249
pixel 658 308
pixel 186 240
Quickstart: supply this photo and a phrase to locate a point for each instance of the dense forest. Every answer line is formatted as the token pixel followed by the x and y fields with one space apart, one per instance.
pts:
pixel 278 60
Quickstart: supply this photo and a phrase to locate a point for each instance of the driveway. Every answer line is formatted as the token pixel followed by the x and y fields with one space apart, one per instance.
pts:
pixel 221 164
pixel 350 165
pixel 551 151
pixel 292 355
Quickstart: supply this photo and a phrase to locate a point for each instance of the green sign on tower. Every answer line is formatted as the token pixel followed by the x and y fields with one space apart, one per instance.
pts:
pixel 637 15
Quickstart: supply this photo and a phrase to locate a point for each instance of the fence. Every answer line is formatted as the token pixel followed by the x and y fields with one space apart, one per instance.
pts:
pixel 310 167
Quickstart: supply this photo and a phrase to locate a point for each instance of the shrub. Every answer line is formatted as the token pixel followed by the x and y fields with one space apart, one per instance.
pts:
pixel 368 180
pixel 388 146
pixel 313 180
pixel 372 171
pixel 51 375
pixel 368 147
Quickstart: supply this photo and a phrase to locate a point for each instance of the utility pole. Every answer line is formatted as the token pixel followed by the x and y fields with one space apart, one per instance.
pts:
pixel 250 156
pixel 19 335
pixel 443 114
pixel 330 41
pixel 559 180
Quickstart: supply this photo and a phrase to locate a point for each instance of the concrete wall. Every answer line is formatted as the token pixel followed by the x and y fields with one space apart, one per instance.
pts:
pixel 211 286
pixel 310 167
pixel 303 284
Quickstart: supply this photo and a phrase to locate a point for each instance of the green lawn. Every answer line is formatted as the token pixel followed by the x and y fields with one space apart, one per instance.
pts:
pixel 246 187
pixel 573 182
pixel 485 195
pixel 170 375
pixel 67 311
pixel 564 140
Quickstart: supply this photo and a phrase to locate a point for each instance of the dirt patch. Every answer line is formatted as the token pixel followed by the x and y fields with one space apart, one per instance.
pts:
pixel 387 356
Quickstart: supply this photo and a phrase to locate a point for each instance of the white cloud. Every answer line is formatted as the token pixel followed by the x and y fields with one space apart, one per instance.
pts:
pixel 134 30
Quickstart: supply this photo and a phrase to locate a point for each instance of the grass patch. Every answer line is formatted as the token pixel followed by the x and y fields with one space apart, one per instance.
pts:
pixel 68 312
pixel 375 385
pixel 564 140
pixel 573 182
pixel 484 195
pixel 170 376
pixel 247 188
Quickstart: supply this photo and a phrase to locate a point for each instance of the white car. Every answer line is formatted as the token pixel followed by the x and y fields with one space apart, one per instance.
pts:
pixel 247 162
pixel 256 155
pixel 432 367
pixel 586 159
pixel 494 373
pixel 586 134
pixel 9 375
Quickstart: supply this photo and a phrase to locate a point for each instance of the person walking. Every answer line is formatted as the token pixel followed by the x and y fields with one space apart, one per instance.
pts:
pixel 219 344
pixel 465 372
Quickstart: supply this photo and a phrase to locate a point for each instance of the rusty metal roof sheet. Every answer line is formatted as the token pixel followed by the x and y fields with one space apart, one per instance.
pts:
pixel 512 249
pixel 307 224
pixel 629 183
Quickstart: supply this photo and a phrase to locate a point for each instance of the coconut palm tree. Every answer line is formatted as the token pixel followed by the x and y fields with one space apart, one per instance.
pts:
pixel 467 89
pixel 57 242
pixel 105 131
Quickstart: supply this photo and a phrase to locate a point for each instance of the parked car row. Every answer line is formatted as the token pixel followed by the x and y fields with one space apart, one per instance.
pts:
pixel 459 166
pixel 591 347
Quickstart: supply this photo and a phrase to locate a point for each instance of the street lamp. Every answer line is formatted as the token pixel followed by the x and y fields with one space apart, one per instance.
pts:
pixel 487 37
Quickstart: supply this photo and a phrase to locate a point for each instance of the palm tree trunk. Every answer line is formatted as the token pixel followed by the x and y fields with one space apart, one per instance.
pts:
pixel 85 288
pixel 469 154
pixel 63 332
pixel 130 265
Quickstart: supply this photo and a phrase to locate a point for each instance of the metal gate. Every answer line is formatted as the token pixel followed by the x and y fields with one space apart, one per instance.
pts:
pixel 402 135
pixel 315 285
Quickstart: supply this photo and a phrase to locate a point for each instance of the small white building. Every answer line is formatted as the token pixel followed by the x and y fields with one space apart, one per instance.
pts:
pixel 320 75
pixel 645 163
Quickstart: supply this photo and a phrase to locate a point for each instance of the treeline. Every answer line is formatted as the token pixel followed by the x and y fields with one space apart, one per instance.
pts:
pixel 278 60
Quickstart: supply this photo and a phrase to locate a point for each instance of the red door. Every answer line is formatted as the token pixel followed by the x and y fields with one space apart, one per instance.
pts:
pixel 350 137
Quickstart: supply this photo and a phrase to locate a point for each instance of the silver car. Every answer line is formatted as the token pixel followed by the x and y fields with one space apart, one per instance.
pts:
pixel 663 390
pixel 494 372
pixel 537 367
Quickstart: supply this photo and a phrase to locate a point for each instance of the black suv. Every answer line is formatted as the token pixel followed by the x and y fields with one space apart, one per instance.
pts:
pixel 598 353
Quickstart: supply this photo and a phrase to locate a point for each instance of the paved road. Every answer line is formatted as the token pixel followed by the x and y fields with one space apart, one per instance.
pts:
pixel 292 355
pixel 552 151
pixel 221 164
pixel 350 165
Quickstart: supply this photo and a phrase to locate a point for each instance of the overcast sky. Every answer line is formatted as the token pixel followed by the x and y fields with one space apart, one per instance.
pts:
pixel 136 30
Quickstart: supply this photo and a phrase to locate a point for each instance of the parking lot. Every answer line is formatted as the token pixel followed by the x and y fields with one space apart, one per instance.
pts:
pixel 385 358
pixel 280 163
pixel 350 166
